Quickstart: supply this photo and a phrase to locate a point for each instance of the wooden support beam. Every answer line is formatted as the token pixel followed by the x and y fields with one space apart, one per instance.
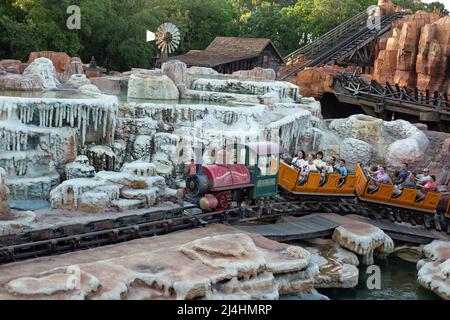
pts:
pixel 429 116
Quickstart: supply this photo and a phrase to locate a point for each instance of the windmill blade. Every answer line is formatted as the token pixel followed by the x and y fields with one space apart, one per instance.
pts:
pixel 168 37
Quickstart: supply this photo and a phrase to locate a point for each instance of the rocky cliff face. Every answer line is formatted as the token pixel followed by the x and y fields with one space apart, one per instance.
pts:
pixel 416 53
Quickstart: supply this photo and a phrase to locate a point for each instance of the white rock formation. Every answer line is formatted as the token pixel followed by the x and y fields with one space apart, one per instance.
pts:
pixel 89 90
pixel 284 90
pixel 177 72
pixel 434 270
pixel 80 168
pixel 393 142
pixel 78 80
pixel 363 239
pixel 337 266
pixel 356 151
pixel 135 186
pixel 222 266
pixel 30 82
pixel 21 221
pixel 45 69
pixel 260 73
pixel 5 210
pixel 147 86
pixel 202 71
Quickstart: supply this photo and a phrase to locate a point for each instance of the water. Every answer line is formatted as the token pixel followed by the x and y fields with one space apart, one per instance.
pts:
pixel 398 282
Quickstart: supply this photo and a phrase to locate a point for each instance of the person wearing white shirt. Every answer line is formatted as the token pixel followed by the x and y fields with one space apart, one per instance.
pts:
pixel 299 160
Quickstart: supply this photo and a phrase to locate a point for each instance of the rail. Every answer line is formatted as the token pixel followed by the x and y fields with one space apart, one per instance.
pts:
pixel 76 237
pixel 332 36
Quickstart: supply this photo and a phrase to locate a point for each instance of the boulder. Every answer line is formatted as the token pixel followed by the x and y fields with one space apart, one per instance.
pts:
pixel 12 66
pixel 202 71
pixel 95 202
pixel 20 82
pixel 392 142
pixel 21 221
pixel 78 80
pixel 177 72
pixel 5 211
pixel 145 86
pixel 113 85
pixel 61 61
pixel 409 253
pixel 89 90
pixel 313 82
pixel 80 168
pixel 259 73
pixel 434 271
pixel 76 67
pixel 43 68
pixel 337 266
pixel 356 151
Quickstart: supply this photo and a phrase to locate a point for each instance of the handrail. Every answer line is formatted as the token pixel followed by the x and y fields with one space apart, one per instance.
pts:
pixel 355 21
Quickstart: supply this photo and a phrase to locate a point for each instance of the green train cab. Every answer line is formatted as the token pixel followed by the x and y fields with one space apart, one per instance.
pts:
pixel 262 159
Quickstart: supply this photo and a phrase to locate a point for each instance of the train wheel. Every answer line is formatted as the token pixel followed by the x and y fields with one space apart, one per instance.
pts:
pixel 222 200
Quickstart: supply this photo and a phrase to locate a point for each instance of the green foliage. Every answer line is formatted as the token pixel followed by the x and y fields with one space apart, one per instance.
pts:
pixel 113 31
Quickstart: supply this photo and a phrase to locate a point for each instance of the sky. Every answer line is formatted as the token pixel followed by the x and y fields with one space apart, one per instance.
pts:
pixel 445 2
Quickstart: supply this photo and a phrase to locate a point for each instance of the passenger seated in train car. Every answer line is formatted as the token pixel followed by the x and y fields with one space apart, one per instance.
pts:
pixel 299 160
pixel 341 168
pixel 318 161
pixel 328 167
pixel 307 167
pixel 410 183
pixel 402 175
pixel 377 178
pixel 423 178
pixel 424 189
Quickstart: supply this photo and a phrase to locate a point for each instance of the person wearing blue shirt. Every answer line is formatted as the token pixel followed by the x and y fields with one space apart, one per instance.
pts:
pixel 341 169
pixel 403 174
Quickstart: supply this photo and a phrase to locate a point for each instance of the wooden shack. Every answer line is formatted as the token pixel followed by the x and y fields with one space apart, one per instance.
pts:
pixel 229 54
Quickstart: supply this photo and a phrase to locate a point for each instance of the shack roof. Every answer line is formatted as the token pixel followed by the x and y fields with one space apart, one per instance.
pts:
pixel 227 49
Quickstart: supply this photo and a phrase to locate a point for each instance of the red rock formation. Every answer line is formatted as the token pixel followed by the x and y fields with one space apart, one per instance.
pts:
pixel 315 81
pixel 386 7
pixel 434 55
pixel 416 52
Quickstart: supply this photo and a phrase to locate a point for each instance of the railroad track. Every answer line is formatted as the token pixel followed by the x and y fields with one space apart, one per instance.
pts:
pixel 37 243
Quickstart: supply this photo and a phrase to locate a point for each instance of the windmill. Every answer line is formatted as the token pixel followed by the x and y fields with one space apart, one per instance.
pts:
pixel 167 38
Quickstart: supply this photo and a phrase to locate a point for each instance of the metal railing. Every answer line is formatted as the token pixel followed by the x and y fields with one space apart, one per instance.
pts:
pixel 333 36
